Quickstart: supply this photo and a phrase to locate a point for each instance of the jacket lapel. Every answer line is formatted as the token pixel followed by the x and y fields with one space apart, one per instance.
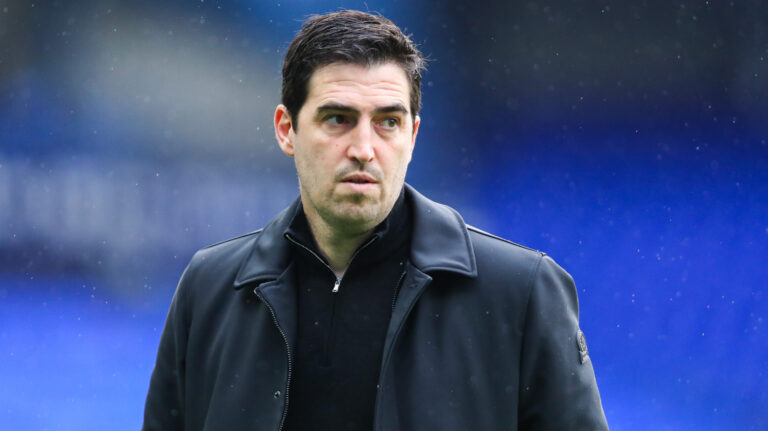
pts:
pixel 271 253
pixel 440 240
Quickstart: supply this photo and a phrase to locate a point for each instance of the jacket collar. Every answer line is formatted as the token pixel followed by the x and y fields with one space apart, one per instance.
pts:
pixel 440 242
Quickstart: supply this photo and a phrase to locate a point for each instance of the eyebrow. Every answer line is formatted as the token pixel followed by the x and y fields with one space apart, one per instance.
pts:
pixel 396 107
pixel 337 107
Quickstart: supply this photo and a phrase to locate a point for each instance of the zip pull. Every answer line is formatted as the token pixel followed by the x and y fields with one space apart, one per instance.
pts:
pixel 336 286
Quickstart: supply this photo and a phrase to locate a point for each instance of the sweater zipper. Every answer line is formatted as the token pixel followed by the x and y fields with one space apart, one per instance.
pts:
pixel 334 289
pixel 337 282
pixel 287 349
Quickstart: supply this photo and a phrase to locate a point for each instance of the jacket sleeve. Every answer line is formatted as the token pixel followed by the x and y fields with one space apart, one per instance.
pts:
pixel 164 407
pixel 558 390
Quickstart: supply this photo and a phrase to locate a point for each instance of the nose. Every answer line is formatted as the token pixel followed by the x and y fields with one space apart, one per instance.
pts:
pixel 361 147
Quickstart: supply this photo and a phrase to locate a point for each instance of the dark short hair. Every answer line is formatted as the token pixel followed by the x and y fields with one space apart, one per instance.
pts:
pixel 347 36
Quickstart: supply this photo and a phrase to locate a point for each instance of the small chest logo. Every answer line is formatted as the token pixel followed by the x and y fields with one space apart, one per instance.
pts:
pixel 581 342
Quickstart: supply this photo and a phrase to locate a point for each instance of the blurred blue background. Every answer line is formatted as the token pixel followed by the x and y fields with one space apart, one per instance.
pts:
pixel 628 141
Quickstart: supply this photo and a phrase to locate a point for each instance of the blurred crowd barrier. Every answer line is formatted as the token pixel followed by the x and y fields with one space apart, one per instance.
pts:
pixel 91 216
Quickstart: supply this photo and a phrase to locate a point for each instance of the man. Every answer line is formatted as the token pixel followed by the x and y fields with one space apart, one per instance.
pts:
pixel 364 305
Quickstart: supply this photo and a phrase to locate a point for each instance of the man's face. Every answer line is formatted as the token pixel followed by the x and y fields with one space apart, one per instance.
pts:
pixel 352 143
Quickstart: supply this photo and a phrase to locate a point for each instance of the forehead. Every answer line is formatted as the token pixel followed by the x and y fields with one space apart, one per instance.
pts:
pixel 359 86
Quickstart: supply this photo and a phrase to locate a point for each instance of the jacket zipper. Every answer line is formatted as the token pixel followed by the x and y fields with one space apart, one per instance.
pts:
pixel 397 288
pixel 387 355
pixel 287 349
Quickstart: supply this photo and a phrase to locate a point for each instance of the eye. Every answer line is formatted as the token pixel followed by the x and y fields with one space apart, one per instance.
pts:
pixel 336 119
pixel 390 123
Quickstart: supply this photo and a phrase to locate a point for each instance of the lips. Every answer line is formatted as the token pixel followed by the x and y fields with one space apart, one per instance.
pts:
pixel 359 178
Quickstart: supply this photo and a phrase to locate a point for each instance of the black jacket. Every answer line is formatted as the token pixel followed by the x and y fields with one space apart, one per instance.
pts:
pixel 484 335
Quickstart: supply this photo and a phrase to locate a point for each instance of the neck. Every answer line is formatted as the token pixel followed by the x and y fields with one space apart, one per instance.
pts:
pixel 338 248
pixel 337 245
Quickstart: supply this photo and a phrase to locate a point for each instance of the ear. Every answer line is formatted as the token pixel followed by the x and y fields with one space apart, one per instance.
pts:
pixel 284 130
pixel 416 123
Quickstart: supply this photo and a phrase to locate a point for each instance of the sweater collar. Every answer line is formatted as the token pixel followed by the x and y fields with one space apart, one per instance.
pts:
pixel 439 242
pixel 387 237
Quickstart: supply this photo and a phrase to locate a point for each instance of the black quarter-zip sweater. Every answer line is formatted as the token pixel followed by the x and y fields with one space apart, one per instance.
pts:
pixel 340 335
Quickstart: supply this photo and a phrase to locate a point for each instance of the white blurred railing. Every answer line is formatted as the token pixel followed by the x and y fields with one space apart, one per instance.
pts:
pixel 109 210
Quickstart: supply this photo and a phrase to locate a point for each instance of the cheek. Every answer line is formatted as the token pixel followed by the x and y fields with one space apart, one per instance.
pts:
pixel 304 163
pixel 315 164
pixel 404 156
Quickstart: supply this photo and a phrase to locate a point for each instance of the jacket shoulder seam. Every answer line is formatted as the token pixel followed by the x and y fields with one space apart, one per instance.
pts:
pixel 232 239
pixel 490 235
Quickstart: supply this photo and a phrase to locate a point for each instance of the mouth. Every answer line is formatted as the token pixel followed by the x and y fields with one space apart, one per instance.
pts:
pixel 359 178
pixel 359 183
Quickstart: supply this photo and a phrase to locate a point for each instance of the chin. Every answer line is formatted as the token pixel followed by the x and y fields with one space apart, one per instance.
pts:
pixel 362 215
